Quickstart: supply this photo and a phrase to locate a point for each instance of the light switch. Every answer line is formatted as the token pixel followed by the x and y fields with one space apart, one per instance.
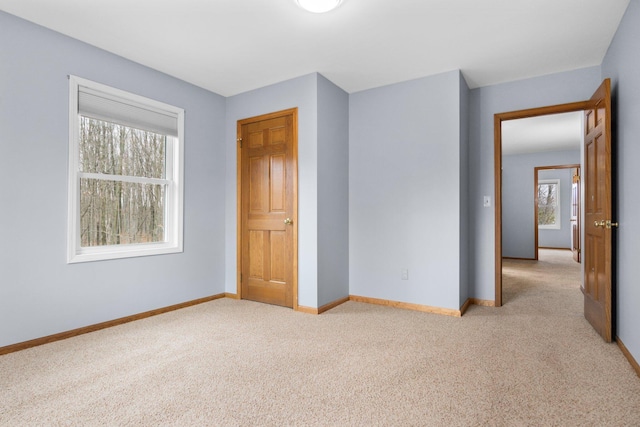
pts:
pixel 487 201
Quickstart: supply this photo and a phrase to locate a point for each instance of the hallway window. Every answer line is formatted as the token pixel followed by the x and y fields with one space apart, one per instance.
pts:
pixel 549 203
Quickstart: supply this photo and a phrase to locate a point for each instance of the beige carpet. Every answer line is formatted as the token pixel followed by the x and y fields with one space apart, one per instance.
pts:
pixel 534 361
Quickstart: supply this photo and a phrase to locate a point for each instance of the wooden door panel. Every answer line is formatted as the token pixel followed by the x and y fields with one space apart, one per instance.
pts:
pixel 267 199
pixel 277 135
pixel 256 139
pixel 256 254
pixel 590 158
pixel 256 185
pixel 270 293
pixel 278 183
pixel 278 249
pixel 598 209
pixel 266 224
pixel 595 279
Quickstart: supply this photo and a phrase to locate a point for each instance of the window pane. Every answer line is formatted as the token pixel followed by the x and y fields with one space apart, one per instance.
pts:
pixel 547 203
pixel 546 215
pixel 547 194
pixel 115 213
pixel 115 149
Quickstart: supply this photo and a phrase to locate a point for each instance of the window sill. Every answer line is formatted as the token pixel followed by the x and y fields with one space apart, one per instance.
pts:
pixel 103 253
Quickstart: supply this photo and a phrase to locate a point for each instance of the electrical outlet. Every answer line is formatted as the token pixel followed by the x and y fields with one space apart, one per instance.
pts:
pixel 405 274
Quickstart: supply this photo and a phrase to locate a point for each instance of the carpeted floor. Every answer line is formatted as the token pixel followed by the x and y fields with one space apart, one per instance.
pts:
pixel 534 361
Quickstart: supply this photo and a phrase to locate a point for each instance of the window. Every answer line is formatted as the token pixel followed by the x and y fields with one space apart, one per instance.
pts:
pixel 549 203
pixel 125 174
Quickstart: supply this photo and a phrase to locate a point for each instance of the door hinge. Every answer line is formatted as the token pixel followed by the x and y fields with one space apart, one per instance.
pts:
pixel 239 140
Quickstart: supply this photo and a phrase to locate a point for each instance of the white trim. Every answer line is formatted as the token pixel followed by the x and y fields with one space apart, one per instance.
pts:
pixel 124 178
pixel 73 196
pixel 174 182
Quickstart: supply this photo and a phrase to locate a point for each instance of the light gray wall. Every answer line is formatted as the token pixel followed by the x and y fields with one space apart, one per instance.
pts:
pixel 404 191
pixel 333 192
pixel 40 293
pixel 301 92
pixel 621 64
pixel 464 191
pixel 518 212
pixel 558 238
pixel 485 102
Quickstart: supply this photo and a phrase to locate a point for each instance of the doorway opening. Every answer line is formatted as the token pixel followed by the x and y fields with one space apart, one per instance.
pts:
pixel 557 207
pixel 499 120
pixel 599 222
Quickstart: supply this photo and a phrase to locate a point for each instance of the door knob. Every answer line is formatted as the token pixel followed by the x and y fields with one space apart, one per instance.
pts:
pixel 605 224
pixel 288 221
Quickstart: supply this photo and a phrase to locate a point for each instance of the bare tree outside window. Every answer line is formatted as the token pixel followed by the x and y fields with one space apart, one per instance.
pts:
pixel 548 204
pixel 120 211
pixel 126 174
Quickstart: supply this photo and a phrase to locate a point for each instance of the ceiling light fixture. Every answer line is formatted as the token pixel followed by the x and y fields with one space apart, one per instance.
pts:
pixel 319 6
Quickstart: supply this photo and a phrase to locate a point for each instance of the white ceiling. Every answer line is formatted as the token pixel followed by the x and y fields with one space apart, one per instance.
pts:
pixel 558 132
pixel 232 46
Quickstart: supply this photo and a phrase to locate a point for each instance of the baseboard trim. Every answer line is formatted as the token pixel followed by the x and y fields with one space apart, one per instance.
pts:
pixel 333 304
pixel 407 306
pixel 465 306
pixel 518 259
pixel 307 310
pixel 92 328
pixel 322 309
pixel 475 301
pixel 628 355
pixel 483 302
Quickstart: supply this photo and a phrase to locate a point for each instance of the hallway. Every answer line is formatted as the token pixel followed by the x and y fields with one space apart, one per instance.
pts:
pixel 552 283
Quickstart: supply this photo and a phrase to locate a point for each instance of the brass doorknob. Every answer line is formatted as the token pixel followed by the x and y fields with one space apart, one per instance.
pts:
pixel 606 224
pixel 288 221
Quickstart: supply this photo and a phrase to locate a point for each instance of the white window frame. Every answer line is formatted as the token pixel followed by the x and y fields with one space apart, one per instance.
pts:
pixel 558 223
pixel 173 181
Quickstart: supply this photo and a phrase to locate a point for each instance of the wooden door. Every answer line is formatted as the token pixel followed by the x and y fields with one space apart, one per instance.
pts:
pixel 268 218
pixel 598 213
pixel 575 213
